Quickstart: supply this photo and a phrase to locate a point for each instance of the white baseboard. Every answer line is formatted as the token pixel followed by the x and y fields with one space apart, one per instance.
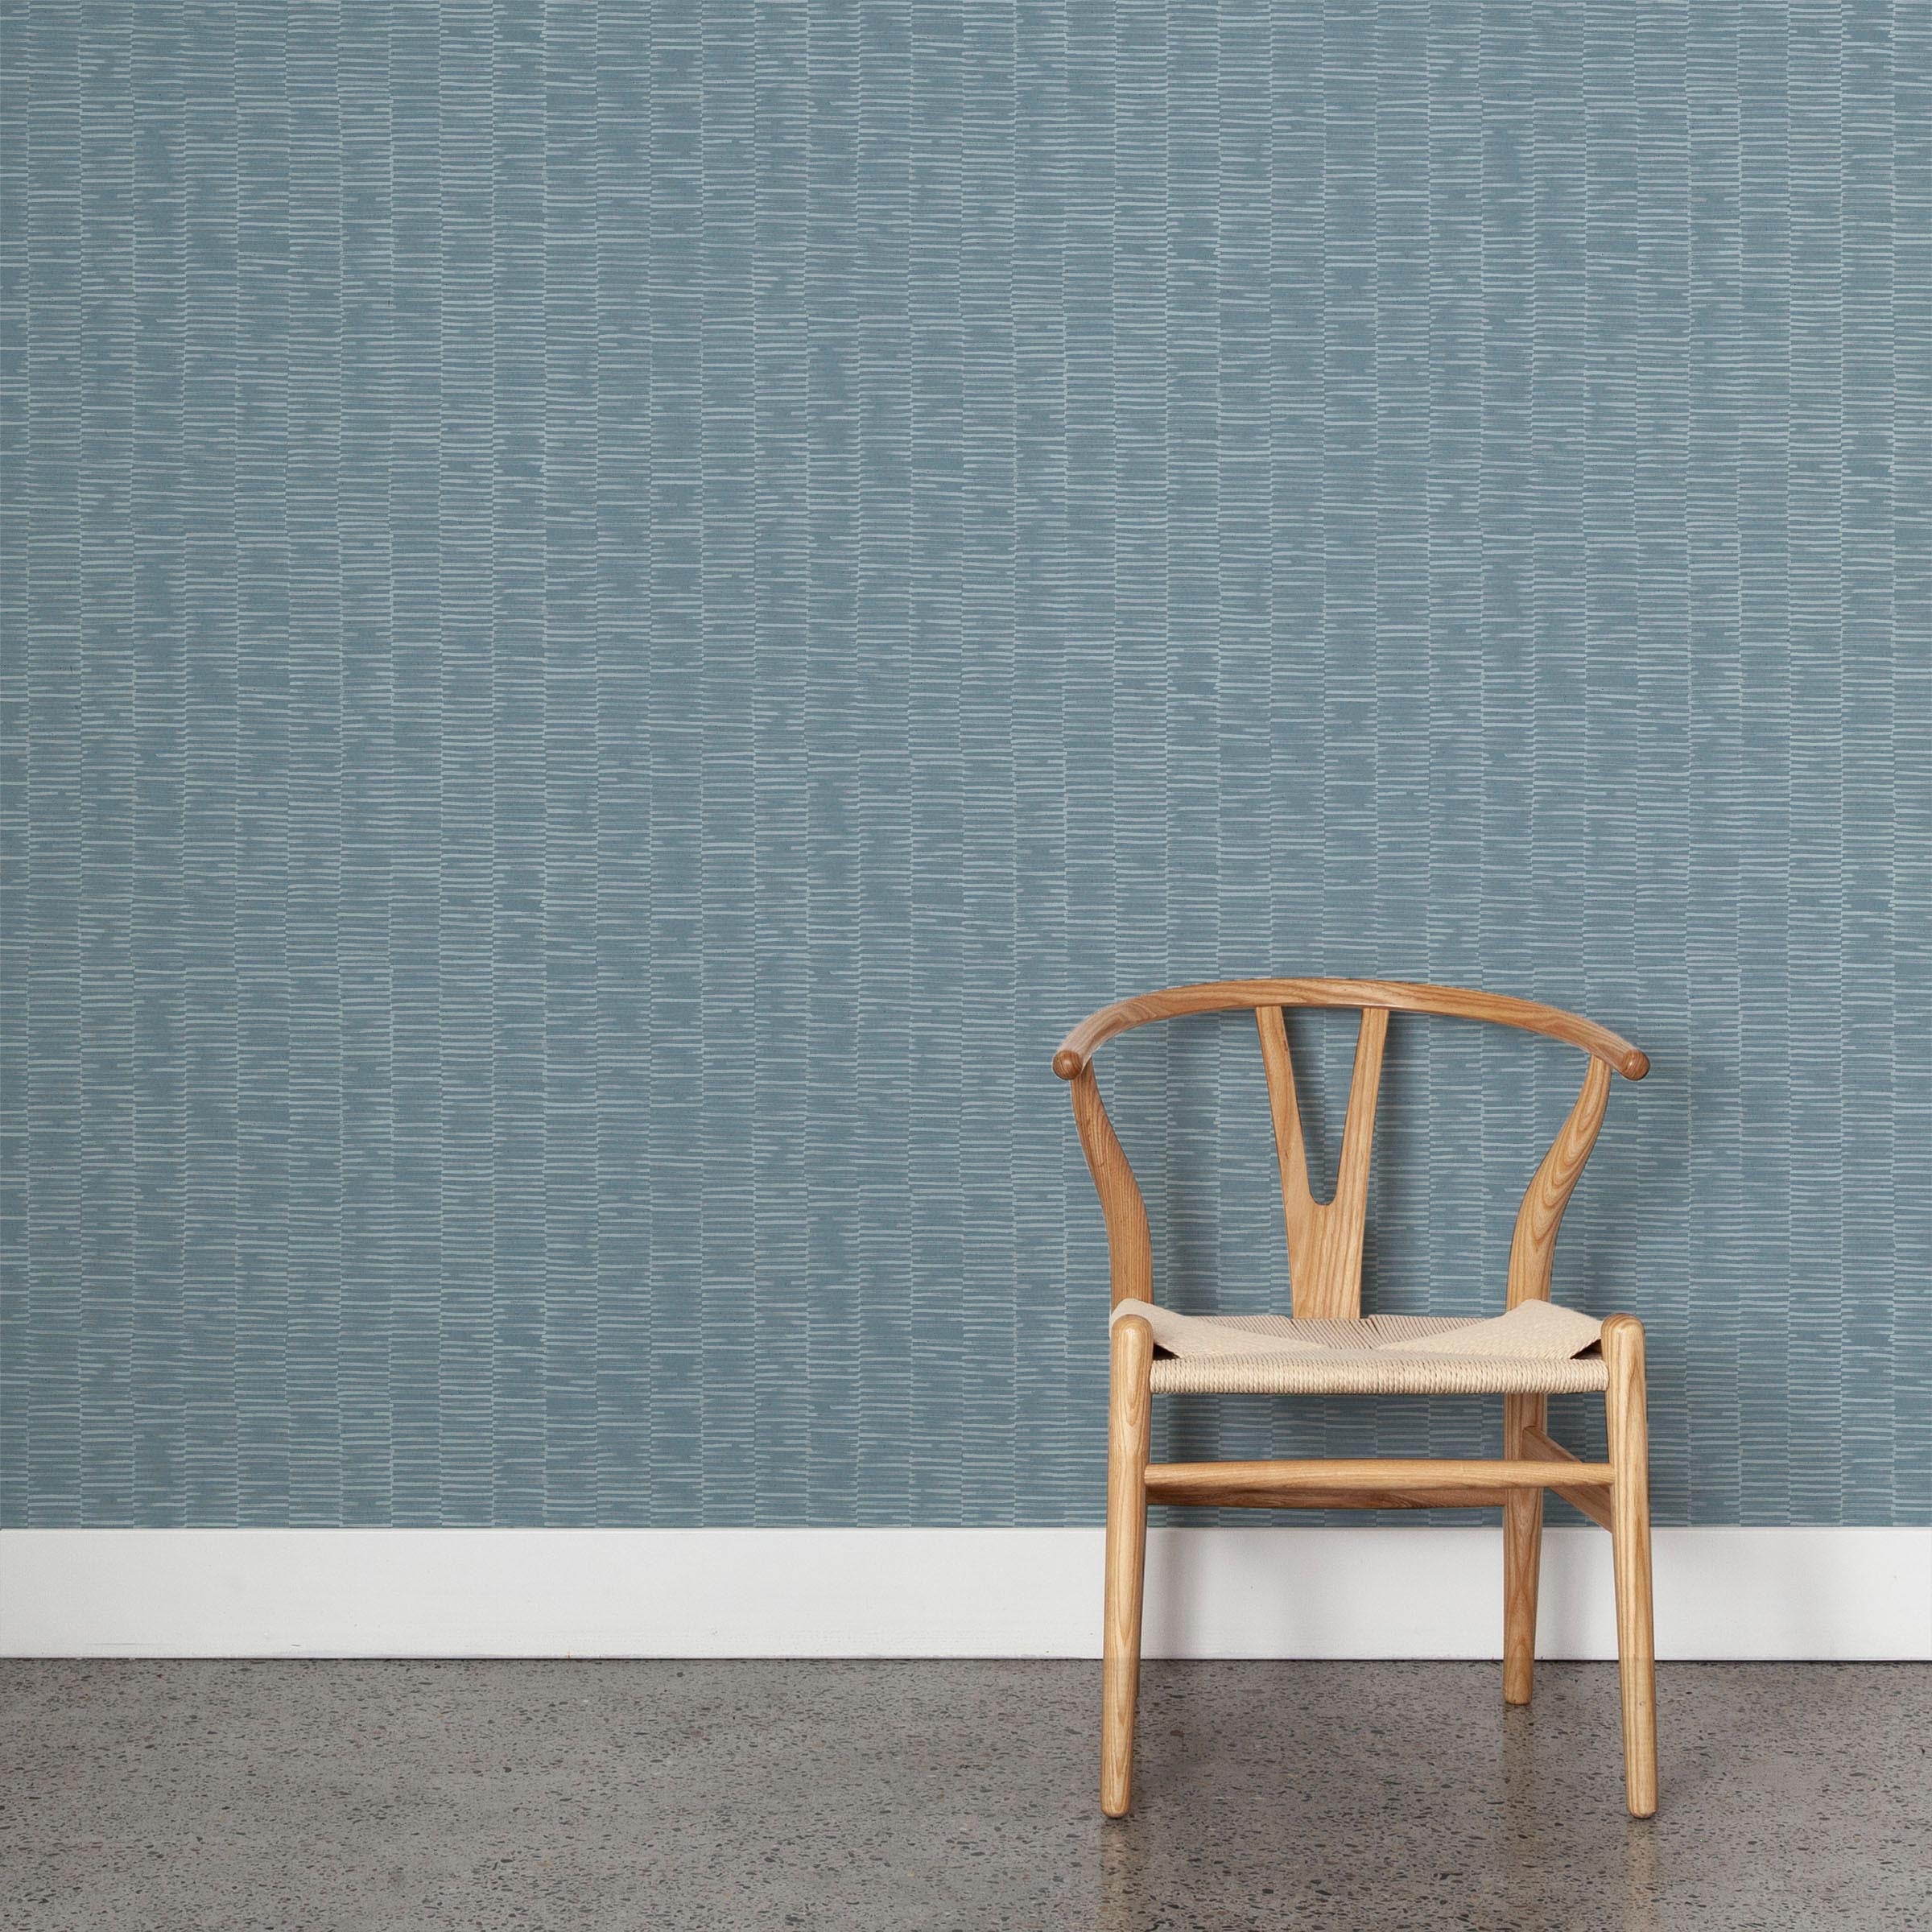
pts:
pixel 1310 1593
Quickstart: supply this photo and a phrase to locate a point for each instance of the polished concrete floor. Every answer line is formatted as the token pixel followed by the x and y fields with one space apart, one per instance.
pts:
pixel 421 1797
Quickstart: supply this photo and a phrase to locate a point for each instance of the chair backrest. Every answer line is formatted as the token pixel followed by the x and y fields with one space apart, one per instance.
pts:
pixel 1325 1237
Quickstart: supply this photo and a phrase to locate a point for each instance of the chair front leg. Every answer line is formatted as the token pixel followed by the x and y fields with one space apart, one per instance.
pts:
pixel 1523 1555
pixel 1128 1419
pixel 1622 1346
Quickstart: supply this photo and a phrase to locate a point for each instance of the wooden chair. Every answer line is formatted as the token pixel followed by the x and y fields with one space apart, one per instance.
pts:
pixel 1325 1265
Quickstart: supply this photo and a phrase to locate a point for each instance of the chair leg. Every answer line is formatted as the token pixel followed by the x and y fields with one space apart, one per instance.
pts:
pixel 1127 1436
pixel 1622 1346
pixel 1523 1555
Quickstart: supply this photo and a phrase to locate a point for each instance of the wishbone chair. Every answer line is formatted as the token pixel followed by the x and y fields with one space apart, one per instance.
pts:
pixel 1325 1268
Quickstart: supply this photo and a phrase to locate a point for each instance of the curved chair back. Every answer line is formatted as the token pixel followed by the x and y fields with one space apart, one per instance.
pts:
pixel 1325 1237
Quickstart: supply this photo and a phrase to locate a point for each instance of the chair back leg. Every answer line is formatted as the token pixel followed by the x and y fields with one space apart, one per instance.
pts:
pixel 1622 1346
pixel 1523 1555
pixel 1129 1407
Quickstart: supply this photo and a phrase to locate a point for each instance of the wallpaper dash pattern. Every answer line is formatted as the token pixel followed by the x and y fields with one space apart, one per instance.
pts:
pixel 614 615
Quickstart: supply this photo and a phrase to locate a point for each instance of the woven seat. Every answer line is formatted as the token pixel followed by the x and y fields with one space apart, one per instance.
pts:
pixel 1355 1359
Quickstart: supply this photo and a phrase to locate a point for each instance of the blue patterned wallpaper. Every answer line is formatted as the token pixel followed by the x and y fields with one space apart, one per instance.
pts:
pixel 614 616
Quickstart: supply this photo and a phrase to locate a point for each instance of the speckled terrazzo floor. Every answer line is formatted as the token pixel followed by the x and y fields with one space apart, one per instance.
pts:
pixel 418 1796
